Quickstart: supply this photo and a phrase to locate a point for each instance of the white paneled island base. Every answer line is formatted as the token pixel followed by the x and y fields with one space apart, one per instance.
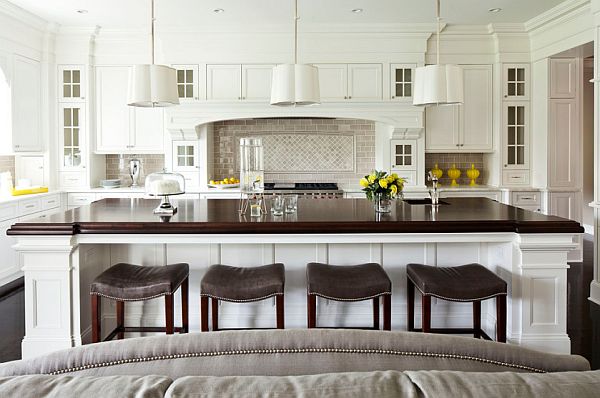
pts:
pixel 59 269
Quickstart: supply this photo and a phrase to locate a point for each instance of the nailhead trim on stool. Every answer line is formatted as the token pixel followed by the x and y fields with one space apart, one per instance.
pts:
pixel 465 283
pixel 241 285
pixel 360 282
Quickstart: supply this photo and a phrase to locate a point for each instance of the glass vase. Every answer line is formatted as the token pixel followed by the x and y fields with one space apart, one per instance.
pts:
pixel 383 203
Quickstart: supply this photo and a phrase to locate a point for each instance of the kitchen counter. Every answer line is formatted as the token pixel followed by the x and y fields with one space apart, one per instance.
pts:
pixel 63 253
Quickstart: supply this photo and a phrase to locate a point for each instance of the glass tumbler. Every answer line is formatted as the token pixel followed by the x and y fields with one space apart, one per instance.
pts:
pixel 277 205
pixel 291 203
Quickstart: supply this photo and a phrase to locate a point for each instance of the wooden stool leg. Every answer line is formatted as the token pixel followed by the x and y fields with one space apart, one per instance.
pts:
pixel 280 311
pixel 169 313
pixel 96 311
pixel 312 310
pixel 426 315
pixel 204 314
pixel 376 313
pixel 387 312
pixel 477 319
pixel 121 319
pixel 410 304
pixel 215 313
pixel 185 315
pixel 501 318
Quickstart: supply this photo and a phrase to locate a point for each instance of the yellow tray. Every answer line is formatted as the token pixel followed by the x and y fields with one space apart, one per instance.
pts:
pixel 28 191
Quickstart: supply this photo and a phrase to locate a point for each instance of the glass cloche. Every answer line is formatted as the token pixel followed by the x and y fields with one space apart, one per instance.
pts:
pixel 165 184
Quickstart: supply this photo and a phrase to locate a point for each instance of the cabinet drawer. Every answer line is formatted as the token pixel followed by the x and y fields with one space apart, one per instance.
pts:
pixel 8 211
pixel 50 202
pixel 80 199
pixel 29 206
pixel 515 177
pixel 526 199
pixel 71 179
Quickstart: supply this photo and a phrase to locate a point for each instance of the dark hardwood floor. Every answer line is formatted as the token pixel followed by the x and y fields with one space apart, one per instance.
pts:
pixel 581 314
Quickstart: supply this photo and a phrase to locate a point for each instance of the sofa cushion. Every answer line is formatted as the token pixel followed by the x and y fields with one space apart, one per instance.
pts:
pixel 506 384
pixel 329 385
pixel 39 386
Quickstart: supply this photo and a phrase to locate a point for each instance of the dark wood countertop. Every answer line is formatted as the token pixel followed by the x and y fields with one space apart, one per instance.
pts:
pixel 354 216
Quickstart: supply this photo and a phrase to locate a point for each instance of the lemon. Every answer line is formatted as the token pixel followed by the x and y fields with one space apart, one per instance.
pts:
pixel 212 182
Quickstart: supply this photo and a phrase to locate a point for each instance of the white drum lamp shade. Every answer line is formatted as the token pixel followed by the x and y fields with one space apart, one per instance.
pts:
pixel 152 86
pixel 295 85
pixel 438 85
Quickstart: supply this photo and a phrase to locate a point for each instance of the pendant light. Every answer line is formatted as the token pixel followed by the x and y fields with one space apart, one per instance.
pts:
pixel 295 84
pixel 152 85
pixel 438 84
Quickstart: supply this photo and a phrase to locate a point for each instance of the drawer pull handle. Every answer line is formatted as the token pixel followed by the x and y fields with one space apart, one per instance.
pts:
pixel 50 201
pixel 29 206
pixel 526 198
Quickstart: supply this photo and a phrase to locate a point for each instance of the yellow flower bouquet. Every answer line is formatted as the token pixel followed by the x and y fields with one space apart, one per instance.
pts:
pixel 381 187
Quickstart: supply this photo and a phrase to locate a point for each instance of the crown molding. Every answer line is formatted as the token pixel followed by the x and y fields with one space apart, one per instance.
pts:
pixel 563 12
pixel 518 28
pixel 21 15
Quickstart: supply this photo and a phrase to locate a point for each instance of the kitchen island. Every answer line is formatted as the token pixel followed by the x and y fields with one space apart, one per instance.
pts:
pixel 61 255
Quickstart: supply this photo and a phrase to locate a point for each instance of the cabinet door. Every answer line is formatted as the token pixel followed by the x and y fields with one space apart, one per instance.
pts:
pixel 441 129
pixel 112 112
pixel 476 113
pixel 563 77
pixel 564 156
pixel 187 82
pixel 333 82
pixel 223 82
pixel 26 105
pixel 364 82
pixel 32 168
pixel 71 121
pixel 148 130
pixel 515 81
pixel 256 82
pixel 401 81
pixel 403 154
pixel 516 135
pixel 185 156
pixel 71 83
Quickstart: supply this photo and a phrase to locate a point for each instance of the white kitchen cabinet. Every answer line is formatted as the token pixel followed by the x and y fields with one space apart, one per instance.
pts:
pixel 333 82
pixel 564 156
pixel 31 167
pixel 564 76
pixel 119 127
pixel 470 193
pixel 71 83
pixel 26 105
pixel 401 80
pixel 516 78
pixel 185 156
pixel 187 83
pixel 365 82
pixel 79 199
pixel 567 204
pixel 466 127
pixel 224 82
pixel 403 157
pixel 515 137
pixel 71 136
pixel 256 82
pixel 350 82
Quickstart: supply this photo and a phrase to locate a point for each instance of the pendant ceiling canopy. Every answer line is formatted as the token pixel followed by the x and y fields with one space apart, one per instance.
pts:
pixel 295 84
pixel 438 84
pixel 152 85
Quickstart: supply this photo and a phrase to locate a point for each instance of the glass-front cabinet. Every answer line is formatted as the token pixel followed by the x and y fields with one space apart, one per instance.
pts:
pixel 516 135
pixel 72 125
pixel 187 82
pixel 401 79
pixel 71 83
pixel 516 82
pixel 403 157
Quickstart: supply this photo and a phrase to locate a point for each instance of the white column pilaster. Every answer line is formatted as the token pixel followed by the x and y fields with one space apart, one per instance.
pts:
pixel 595 285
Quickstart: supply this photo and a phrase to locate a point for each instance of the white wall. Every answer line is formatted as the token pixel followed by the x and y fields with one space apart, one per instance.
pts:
pixel 588 146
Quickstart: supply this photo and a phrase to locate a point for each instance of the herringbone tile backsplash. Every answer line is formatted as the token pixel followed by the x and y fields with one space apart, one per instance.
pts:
pixel 300 150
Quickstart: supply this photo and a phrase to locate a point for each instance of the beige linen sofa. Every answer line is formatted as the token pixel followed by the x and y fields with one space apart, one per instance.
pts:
pixel 300 363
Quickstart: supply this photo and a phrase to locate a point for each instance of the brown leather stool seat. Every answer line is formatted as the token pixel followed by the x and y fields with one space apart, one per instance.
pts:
pixel 129 282
pixel 470 282
pixel 241 285
pixel 349 283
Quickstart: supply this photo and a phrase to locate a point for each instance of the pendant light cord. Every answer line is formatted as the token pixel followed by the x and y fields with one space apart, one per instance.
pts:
pixel 295 31
pixel 437 13
pixel 152 32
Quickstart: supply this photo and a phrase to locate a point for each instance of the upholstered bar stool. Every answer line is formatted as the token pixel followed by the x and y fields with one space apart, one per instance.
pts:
pixel 349 283
pixel 465 283
pixel 241 285
pixel 128 282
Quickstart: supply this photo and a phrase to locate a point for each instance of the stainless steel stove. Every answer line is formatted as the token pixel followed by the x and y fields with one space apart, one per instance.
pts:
pixel 316 190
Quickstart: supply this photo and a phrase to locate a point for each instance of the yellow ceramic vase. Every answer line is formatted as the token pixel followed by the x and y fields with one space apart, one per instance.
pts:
pixel 454 174
pixel 473 173
pixel 436 171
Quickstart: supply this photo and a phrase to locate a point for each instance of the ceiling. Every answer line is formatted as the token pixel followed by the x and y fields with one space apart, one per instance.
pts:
pixel 199 13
